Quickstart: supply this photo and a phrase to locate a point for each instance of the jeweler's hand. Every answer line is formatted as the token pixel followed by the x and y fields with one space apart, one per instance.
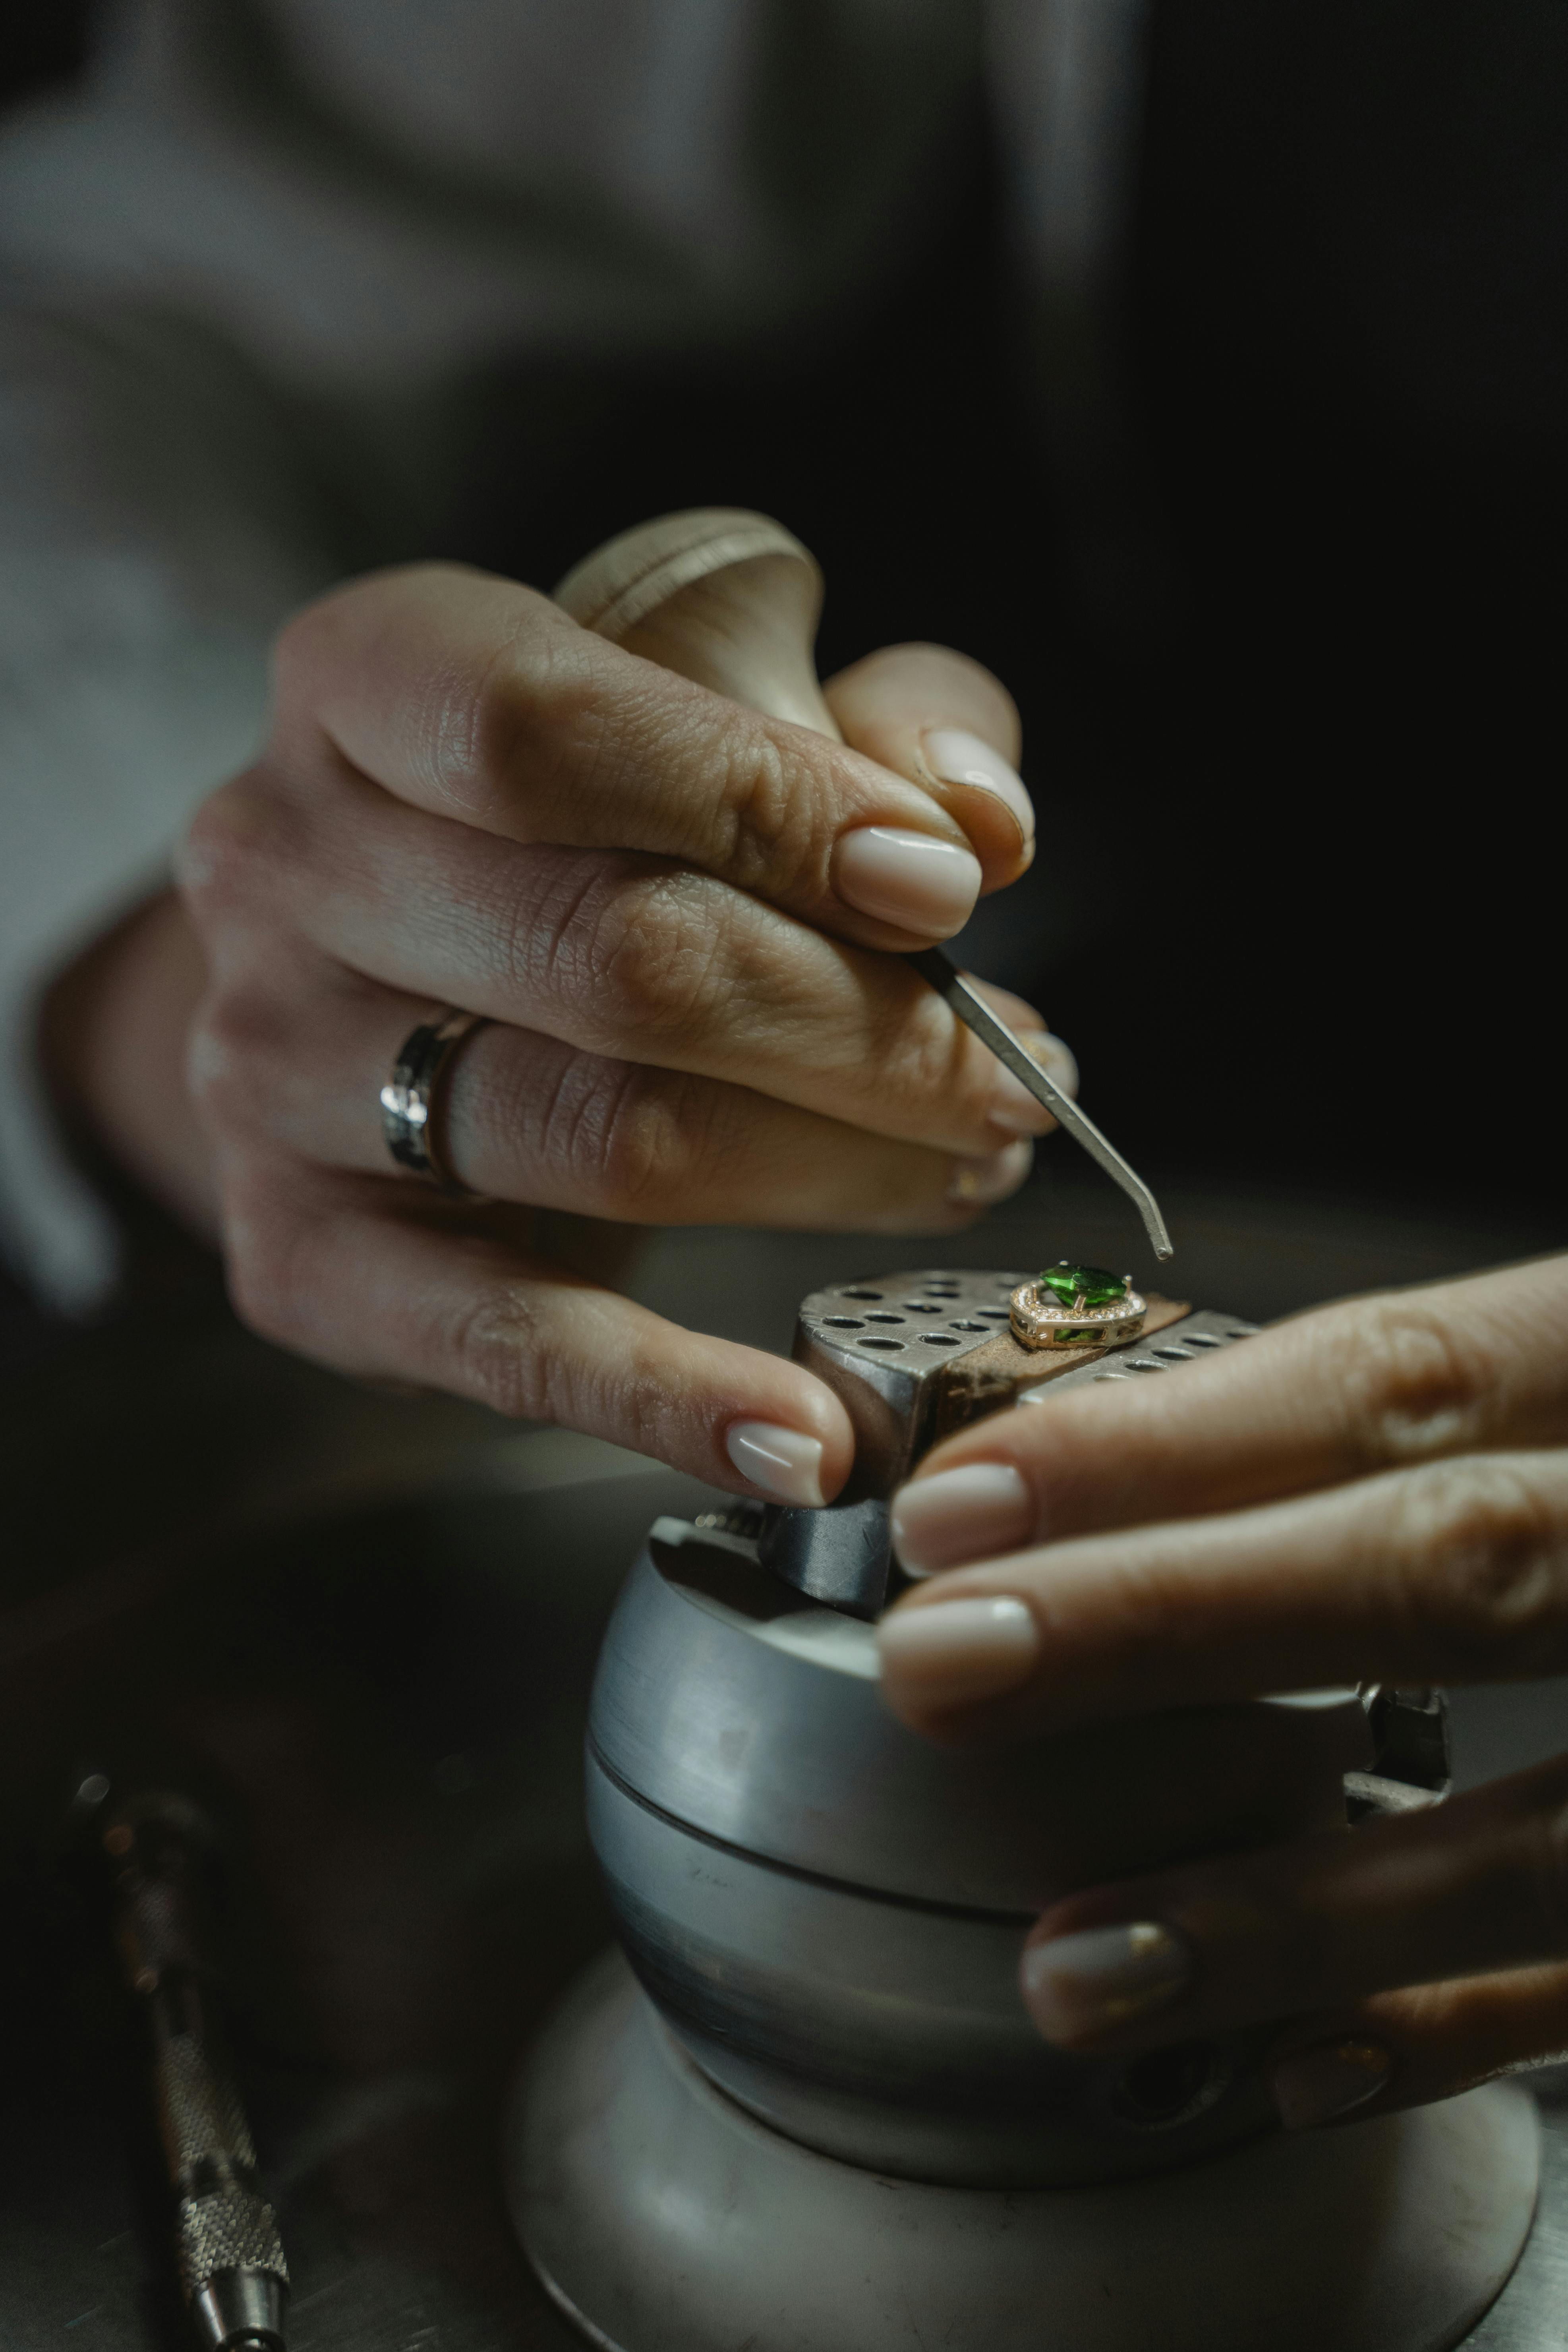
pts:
pixel 1374 1491
pixel 669 908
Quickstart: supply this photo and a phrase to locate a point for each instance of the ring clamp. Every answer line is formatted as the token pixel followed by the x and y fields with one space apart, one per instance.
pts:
pixel 408 1097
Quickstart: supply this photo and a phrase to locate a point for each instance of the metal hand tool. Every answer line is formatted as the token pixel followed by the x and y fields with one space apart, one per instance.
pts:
pixel 232 2268
pixel 731 600
pixel 937 966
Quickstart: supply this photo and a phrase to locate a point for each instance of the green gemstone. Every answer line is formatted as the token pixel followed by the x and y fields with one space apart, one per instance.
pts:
pixel 1088 1285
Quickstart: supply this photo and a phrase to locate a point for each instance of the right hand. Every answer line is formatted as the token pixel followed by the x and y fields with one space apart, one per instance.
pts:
pixel 676 914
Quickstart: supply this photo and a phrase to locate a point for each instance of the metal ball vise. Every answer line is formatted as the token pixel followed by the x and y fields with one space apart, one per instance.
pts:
pixel 807 2110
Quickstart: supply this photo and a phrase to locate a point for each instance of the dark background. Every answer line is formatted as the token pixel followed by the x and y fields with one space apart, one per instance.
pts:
pixel 1294 732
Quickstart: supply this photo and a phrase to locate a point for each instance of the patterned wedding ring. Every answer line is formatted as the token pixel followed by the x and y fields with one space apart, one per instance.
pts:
pixel 409 1097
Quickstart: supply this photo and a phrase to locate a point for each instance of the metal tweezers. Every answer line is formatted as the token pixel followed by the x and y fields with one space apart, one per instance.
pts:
pixel 938 969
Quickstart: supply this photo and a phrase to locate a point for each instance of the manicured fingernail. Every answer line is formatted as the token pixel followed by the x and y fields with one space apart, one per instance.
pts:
pixel 1013 1107
pixel 969 1514
pixel 957 1651
pixel 960 757
pixel 924 886
pixel 784 1462
pixel 1082 1984
pixel 976 1183
pixel 1313 2086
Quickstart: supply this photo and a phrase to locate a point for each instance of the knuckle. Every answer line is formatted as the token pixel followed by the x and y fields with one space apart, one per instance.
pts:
pixel 774 834
pixel 497 1355
pixel 223 1039
pixel 535 720
pixel 943 1078
pixel 1485 1556
pixel 265 1256
pixel 643 1141
pixel 243 837
pixel 1414 1384
pixel 649 953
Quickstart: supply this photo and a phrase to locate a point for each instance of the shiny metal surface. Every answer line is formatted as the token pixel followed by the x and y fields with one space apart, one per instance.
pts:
pixel 1203 1333
pixel 412 1092
pixel 235 2310
pixel 429 1929
pixel 664 2219
pixel 935 965
pixel 829 1910
pixel 228 2250
pixel 885 1344
pixel 889 1346
pixel 367 1591
pixel 729 1702
pixel 890 2035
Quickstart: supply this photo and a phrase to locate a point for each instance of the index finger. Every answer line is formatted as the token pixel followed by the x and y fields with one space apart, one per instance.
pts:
pixel 1347 1390
pixel 478 698
pixel 1453 1572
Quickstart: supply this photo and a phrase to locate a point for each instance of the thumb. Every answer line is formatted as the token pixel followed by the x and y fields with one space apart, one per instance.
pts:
pixel 942 720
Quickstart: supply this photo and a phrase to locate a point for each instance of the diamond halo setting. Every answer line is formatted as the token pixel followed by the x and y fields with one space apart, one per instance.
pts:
pixel 1072 1305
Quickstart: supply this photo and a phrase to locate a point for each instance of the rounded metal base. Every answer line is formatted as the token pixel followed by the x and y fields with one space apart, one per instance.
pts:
pixel 662 2217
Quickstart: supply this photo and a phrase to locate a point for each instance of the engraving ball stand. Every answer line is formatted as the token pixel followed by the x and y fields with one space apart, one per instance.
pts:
pixel 804 2109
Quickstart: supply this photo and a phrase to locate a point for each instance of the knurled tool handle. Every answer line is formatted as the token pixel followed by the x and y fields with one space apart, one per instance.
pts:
pixel 228 2247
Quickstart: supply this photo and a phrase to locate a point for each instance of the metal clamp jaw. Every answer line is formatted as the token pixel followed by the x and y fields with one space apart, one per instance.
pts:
pixel 915 1357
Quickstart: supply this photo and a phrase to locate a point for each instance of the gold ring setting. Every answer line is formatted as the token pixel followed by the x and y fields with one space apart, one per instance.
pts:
pixel 1072 1305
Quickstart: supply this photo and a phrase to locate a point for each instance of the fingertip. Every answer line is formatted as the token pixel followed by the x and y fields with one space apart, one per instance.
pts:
pixel 1327 2079
pixel 920 883
pixel 939 1659
pixel 909 688
pixel 975 1512
pixel 964 760
pixel 795 1446
pixel 785 1463
pixel 945 723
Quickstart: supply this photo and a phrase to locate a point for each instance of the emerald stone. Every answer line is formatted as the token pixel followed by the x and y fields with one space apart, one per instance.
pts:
pixel 1083 1285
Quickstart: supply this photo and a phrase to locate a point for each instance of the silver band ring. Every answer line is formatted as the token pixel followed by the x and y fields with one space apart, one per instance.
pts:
pixel 408 1097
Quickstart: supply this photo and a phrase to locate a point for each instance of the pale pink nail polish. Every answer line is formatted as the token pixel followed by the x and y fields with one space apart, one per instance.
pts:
pixel 924 886
pixel 1075 1985
pixel 784 1462
pixel 971 1513
pixel 977 1184
pixel 957 1651
pixel 1313 2086
pixel 960 757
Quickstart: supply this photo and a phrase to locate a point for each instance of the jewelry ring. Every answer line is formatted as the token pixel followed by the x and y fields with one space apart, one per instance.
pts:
pixel 408 1097
pixel 1075 1307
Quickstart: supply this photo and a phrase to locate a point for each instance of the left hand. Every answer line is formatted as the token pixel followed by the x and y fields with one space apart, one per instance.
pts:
pixel 1377 1491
